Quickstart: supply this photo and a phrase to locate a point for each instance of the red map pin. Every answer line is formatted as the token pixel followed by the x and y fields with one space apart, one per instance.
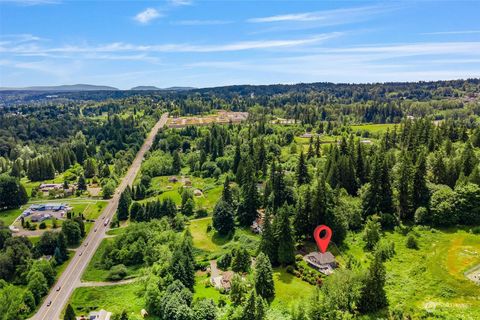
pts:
pixel 322 243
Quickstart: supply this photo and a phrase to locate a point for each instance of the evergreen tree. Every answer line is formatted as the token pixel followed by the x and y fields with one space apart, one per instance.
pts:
pixel 310 152
pixel 404 188
pixel 469 160
pixel 286 248
pixel 124 205
pixel 249 309
pixel 69 313
pixel 237 158
pixel 81 185
pixel 420 192
pixel 373 296
pixel 301 222
pixel 268 243
pixel 321 203
pixel 89 168
pixel 227 192
pixel 241 260
pixel 61 251
pixel 247 210
pixel 238 290
pixel 264 284
pixel 317 147
pixel 302 170
pixel 222 219
pixel 371 233
pixel 176 163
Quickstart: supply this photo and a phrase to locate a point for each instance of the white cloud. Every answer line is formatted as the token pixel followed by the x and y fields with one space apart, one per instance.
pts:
pixel 181 2
pixel 147 15
pixel 34 49
pixel 326 17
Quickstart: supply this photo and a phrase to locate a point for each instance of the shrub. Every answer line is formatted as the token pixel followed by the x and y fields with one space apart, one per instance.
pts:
pixel 298 257
pixel 201 213
pixel 475 230
pixel 117 272
pixel 224 261
pixel 412 242
pixel 42 225
pixel 386 249
pixel 290 269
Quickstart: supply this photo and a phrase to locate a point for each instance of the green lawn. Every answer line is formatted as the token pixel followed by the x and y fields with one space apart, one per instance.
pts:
pixel 212 245
pixel 431 277
pixel 203 289
pixel 95 273
pixel 128 297
pixel 373 128
pixel 289 288
pixel 211 190
pixel 8 216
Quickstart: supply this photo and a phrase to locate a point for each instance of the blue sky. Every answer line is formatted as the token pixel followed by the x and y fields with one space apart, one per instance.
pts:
pixel 211 43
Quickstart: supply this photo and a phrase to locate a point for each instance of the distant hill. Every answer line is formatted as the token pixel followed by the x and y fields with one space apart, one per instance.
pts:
pixel 74 87
pixel 153 88
pixel 140 88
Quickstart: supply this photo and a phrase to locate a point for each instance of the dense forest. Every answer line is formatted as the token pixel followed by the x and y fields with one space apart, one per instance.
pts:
pixel 304 157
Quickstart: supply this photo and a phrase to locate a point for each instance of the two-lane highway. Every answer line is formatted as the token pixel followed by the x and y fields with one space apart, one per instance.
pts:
pixel 70 278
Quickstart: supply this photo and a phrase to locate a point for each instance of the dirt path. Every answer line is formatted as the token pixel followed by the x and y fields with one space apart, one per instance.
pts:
pixel 106 284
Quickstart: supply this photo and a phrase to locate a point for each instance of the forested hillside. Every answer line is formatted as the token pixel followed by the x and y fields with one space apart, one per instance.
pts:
pixel 392 169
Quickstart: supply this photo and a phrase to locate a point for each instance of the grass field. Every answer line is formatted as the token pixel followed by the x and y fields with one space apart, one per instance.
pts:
pixel 289 288
pixel 207 291
pixel 430 281
pixel 128 297
pixel 374 128
pixel 211 190
pixel 211 245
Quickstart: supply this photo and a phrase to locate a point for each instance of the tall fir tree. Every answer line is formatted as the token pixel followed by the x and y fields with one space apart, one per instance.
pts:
pixel 69 313
pixel 268 243
pixel 247 209
pixel 421 193
pixel 286 247
pixel 373 295
pixel 404 187
pixel 264 284
pixel 302 170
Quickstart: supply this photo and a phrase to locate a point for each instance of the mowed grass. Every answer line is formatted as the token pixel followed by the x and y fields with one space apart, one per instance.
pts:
pixel 289 288
pixel 203 289
pixel 211 189
pixel 8 216
pixel 201 239
pixel 430 281
pixel 128 297
pixel 374 128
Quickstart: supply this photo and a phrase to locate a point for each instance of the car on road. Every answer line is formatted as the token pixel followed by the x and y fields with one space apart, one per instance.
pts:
pixel 80 254
pixel 49 303
pixel 95 230
pixel 58 288
pixel 86 244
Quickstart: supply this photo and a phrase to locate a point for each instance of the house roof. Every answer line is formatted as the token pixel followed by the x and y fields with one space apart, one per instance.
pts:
pixel 320 258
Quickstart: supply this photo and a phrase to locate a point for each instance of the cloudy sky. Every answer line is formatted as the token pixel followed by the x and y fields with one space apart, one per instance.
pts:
pixel 210 43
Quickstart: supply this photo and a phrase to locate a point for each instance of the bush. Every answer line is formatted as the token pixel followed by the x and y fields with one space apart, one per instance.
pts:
pixel 290 269
pixel 42 226
pixel 298 257
pixel 412 242
pixel 201 213
pixel 117 272
pixel 386 249
pixel 475 230
pixel 224 261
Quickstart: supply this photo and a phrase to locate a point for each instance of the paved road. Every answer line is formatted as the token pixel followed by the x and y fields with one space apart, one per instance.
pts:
pixel 70 278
